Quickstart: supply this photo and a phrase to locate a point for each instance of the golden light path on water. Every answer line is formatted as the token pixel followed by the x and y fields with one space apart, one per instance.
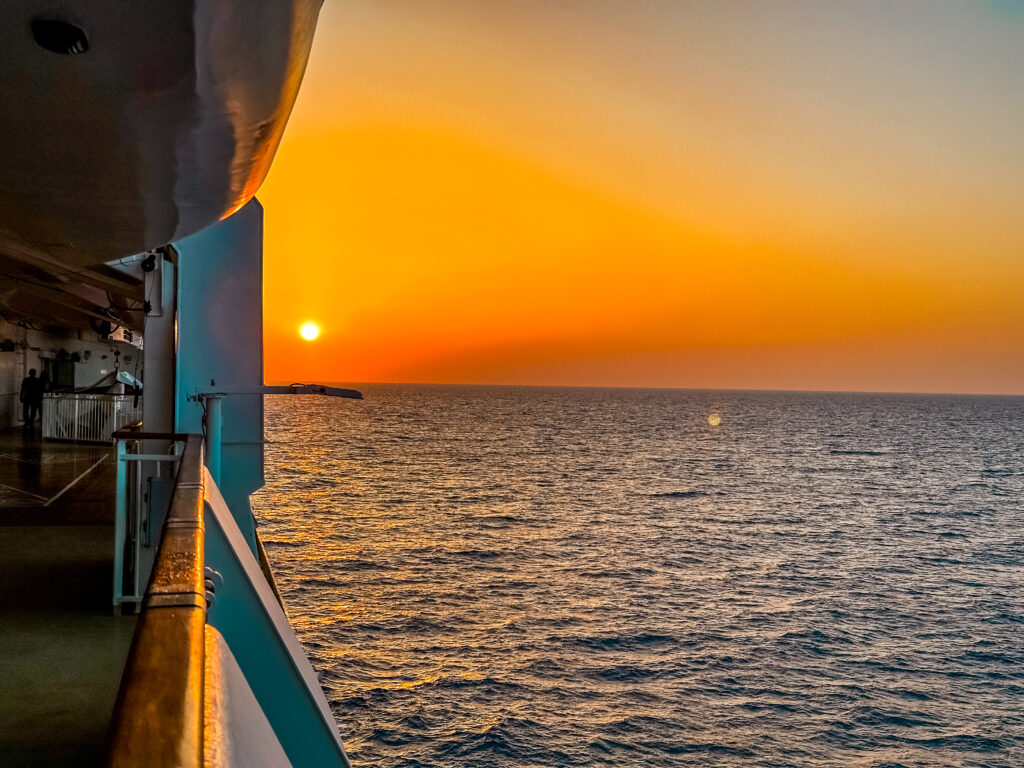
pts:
pixel 500 576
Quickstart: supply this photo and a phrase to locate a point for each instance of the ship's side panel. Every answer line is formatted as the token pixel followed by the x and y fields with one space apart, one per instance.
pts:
pixel 254 625
pixel 235 729
pixel 220 344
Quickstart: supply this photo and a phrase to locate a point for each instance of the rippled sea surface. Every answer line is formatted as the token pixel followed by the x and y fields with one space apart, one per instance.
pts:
pixel 489 576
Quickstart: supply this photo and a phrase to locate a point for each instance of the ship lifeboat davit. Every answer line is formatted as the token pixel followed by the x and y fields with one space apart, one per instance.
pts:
pixel 128 125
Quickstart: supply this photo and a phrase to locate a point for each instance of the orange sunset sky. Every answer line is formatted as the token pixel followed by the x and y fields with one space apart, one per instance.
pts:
pixel 775 195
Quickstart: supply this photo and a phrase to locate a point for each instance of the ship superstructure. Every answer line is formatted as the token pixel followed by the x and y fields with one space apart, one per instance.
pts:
pixel 142 625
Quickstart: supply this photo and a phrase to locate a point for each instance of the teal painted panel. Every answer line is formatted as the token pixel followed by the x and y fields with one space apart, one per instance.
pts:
pixel 220 339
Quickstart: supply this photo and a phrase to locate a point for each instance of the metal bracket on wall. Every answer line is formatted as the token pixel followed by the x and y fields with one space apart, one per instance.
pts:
pixel 213 420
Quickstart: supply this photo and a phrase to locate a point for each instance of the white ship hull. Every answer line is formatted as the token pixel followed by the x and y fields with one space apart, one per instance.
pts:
pixel 167 121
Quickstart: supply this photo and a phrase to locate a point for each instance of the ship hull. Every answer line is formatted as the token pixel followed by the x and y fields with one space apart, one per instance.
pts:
pixel 166 122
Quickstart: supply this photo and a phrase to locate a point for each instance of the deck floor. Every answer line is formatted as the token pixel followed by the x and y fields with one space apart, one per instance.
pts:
pixel 51 483
pixel 62 648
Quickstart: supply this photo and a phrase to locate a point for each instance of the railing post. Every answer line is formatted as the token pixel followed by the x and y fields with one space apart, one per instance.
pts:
pixel 137 505
pixel 214 423
pixel 120 520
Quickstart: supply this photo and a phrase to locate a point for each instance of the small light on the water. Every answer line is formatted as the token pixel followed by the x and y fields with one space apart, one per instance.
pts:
pixel 714 419
pixel 309 331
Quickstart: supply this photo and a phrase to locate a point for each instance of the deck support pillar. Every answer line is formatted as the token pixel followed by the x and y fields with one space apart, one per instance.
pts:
pixel 159 353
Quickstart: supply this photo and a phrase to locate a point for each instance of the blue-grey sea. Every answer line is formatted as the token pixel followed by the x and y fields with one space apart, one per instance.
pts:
pixel 492 576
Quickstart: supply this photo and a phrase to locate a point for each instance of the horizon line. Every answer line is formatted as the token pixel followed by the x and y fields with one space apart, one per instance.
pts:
pixel 348 383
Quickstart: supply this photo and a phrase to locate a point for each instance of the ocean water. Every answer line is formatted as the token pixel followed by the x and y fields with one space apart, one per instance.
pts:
pixel 489 576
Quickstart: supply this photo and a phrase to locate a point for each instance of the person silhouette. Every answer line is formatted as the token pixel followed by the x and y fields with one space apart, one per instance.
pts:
pixel 31 399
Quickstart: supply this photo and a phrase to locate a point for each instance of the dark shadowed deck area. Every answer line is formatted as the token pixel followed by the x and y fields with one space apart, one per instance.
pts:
pixel 63 649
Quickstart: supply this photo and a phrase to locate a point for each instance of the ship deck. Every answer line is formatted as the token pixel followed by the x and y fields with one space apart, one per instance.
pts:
pixel 63 649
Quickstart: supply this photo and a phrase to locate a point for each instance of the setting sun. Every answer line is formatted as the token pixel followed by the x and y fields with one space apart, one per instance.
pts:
pixel 309 331
pixel 456 216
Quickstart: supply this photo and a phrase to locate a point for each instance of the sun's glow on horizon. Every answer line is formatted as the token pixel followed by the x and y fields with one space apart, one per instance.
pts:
pixel 679 198
pixel 309 331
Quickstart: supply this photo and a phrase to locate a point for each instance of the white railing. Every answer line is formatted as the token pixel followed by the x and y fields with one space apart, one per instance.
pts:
pixel 88 418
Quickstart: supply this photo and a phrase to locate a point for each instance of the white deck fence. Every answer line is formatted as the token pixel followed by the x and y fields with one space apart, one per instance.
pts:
pixel 88 418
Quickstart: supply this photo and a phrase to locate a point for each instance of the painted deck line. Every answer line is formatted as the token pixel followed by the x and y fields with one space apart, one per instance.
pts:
pixel 70 485
pixel 27 493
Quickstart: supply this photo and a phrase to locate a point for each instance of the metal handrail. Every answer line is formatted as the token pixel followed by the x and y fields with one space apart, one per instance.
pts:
pixel 132 433
pixel 158 718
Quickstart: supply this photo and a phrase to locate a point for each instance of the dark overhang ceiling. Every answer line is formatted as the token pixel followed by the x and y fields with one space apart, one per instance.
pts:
pixel 47 294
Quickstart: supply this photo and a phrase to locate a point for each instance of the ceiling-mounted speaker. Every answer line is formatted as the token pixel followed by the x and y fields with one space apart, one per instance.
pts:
pixel 58 36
